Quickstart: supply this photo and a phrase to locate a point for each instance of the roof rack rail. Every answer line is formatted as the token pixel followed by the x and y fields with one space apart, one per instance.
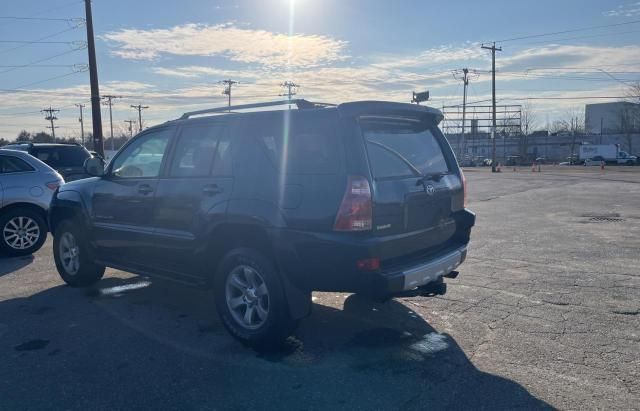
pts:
pixel 300 103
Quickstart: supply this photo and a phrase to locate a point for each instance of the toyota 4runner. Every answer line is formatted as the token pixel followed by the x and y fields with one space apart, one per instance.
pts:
pixel 264 207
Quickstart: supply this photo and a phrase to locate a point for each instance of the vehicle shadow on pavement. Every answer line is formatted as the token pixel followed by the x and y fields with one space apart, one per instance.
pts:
pixel 10 265
pixel 387 352
pixel 392 342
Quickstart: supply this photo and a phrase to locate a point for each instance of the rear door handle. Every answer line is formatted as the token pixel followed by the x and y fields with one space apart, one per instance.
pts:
pixel 212 189
pixel 145 189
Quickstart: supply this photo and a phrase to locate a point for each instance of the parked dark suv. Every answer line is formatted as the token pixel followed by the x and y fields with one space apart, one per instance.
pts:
pixel 67 159
pixel 265 207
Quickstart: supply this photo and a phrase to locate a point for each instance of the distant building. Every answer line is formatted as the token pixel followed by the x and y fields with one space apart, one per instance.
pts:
pixel 614 117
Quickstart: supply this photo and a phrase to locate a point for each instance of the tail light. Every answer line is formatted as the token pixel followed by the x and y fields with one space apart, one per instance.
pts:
pixel 464 189
pixel 355 213
pixel 369 264
pixel 53 185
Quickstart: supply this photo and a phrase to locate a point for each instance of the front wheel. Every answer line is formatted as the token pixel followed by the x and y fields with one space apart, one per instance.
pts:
pixel 73 257
pixel 23 232
pixel 250 299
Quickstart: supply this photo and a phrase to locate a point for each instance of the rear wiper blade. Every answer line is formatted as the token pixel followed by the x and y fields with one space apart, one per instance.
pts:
pixel 430 177
pixel 408 163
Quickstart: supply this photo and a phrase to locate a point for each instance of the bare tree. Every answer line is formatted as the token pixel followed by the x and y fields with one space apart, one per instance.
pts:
pixel 576 126
pixel 630 116
pixel 633 92
pixel 528 123
pixel 559 126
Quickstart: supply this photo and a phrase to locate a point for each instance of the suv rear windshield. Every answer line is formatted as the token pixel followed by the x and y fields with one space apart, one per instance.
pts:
pixel 63 156
pixel 402 147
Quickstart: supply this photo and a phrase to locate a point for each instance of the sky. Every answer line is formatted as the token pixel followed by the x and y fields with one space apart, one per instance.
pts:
pixel 171 55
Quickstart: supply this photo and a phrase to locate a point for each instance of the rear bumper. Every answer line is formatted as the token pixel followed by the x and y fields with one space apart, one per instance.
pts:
pixel 328 261
pixel 411 277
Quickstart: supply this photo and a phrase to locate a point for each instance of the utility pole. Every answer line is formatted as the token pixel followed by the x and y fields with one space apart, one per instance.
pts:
pixel 465 82
pixel 139 107
pixel 130 122
pixel 227 89
pixel 96 115
pixel 291 90
pixel 81 120
pixel 109 101
pixel 51 117
pixel 493 49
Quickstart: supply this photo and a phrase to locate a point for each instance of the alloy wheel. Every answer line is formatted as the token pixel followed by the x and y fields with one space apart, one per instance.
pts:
pixel 21 232
pixel 247 297
pixel 69 253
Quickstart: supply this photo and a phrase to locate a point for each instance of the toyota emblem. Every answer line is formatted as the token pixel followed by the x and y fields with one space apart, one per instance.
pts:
pixel 430 189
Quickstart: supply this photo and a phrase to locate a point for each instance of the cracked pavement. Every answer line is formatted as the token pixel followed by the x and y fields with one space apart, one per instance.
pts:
pixel 544 314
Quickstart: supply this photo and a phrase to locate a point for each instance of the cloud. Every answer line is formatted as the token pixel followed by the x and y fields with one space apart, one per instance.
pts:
pixel 436 56
pixel 625 10
pixel 388 77
pixel 572 58
pixel 202 71
pixel 237 44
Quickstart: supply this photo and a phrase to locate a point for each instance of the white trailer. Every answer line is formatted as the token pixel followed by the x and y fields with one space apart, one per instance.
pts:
pixel 611 153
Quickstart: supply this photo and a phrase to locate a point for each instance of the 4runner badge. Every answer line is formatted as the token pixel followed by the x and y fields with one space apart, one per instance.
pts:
pixel 430 189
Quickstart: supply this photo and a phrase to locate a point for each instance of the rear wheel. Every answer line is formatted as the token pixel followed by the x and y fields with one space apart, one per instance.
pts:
pixel 73 257
pixel 250 299
pixel 23 231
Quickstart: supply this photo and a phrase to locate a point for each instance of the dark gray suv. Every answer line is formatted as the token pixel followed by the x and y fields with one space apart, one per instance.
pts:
pixel 66 159
pixel 265 207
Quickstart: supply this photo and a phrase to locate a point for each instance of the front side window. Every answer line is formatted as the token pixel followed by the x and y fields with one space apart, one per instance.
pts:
pixel 402 148
pixel 143 157
pixel 10 164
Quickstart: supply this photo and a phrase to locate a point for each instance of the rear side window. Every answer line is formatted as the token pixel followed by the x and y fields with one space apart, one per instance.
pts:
pixel 303 143
pixel 201 151
pixel 10 164
pixel 72 156
pixel 402 148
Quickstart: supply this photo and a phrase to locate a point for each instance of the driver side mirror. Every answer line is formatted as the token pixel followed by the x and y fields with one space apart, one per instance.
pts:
pixel 94 166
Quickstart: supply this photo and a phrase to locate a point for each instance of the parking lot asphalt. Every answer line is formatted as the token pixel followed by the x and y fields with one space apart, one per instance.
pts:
pixel 543 314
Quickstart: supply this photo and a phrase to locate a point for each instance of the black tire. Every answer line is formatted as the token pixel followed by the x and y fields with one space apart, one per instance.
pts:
pixel 87 272
pixel 28 217
pixel 278 324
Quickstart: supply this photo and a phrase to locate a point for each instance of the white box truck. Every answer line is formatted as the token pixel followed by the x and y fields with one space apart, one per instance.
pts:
pixel 610 153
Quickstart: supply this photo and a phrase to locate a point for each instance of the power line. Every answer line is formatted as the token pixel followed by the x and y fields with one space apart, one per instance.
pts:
pixel 39 18
pixel 56 8
pixel 51 117
pixel 51 78
pixel 493 49
pixel 130 123
pixel 38 65
pixel 292 89
pixel 109 101
pixel 44 59
pixel 566 31
pixel 227 90
pixel 35 42
pixel 57 33
pixel 139 108
pixel 561 77
pixel 565 98
pixel 81 120
pixel 582 37
pixel 465 81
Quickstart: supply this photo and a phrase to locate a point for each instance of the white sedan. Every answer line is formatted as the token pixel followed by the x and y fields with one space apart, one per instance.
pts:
pixel 595 161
